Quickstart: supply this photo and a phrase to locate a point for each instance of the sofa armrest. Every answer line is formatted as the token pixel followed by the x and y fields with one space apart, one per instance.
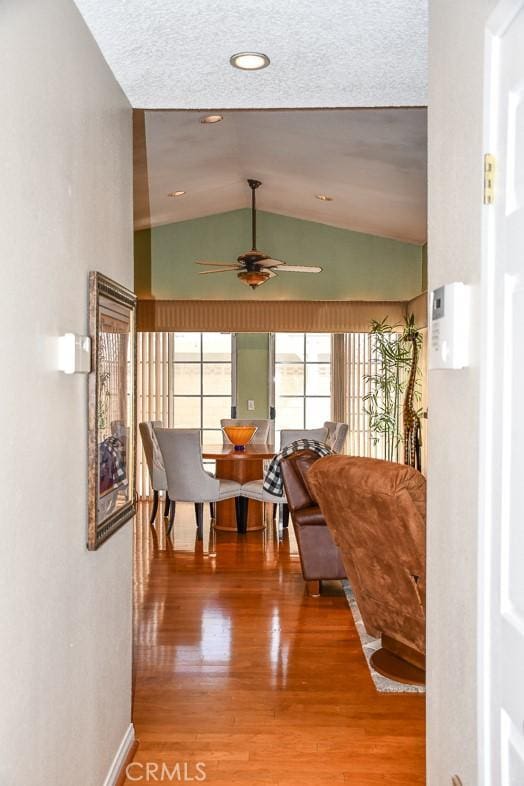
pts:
pixel 294 469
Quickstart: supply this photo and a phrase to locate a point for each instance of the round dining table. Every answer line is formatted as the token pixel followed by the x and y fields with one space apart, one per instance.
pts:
pixel 242 466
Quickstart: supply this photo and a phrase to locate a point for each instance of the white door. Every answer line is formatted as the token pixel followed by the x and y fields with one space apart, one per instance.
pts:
pixel 501 584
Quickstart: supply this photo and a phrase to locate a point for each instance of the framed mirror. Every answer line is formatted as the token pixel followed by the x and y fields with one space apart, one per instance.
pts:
pixel 112 408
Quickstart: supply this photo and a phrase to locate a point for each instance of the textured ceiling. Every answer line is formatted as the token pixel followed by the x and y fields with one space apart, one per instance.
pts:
pixel 168 54
pixel 371 161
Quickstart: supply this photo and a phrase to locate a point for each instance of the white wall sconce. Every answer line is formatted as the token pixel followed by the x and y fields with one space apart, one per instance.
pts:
pixel 74 354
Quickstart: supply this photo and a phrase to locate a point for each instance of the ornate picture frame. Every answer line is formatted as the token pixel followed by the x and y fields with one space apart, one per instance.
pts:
pixel 112 408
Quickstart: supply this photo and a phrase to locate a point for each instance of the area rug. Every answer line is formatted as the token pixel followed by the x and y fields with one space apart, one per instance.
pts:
pixel 369 646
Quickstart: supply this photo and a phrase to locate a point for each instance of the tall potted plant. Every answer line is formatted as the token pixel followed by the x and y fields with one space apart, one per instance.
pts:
pixel 393 388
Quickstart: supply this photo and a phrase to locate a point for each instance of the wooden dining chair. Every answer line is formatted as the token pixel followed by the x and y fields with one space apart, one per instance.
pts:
pixel 187 480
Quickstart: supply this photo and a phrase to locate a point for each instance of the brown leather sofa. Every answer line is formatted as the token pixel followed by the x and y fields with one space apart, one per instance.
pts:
pixel 319 556
pixel 376 511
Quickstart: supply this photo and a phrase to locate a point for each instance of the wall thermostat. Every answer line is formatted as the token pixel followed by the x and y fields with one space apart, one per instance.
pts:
pixel 449 326
pixel 74 354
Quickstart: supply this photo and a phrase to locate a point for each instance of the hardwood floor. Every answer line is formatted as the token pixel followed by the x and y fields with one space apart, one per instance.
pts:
pixel 237 668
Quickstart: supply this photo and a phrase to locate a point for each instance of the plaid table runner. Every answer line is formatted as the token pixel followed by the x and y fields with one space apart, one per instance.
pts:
pixel 273 482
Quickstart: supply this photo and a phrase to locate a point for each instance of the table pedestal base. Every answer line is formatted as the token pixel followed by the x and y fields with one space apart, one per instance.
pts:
pixel 242 471
pixel 252 526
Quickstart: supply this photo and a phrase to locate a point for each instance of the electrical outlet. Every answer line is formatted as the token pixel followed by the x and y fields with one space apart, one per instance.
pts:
pixel 250 404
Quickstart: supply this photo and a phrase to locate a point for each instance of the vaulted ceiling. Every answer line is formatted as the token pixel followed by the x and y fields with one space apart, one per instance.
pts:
pixel 372 162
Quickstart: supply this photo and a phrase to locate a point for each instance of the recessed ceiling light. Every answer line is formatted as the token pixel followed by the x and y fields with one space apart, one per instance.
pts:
pixel 176 193
pixel 211 119
pixel 324 197
pixel 249 61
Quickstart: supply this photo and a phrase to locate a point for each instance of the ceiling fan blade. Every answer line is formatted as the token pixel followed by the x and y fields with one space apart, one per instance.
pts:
pixel 214 264
pixel 298 269
pixel 229 269
pixel 270 263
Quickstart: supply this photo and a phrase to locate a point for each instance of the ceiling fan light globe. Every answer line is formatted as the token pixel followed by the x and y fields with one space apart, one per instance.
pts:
pixel 253 278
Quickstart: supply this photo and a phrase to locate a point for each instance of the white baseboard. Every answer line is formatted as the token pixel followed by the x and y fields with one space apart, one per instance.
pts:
pixel 120 757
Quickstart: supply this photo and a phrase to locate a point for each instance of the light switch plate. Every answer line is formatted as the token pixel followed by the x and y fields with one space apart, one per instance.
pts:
pixel 250 404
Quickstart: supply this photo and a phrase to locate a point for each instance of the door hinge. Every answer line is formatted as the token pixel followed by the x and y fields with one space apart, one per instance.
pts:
pixel 489 179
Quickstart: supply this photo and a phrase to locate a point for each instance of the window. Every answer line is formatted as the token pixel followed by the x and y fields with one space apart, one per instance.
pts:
pixel 302 380
pixel 202 382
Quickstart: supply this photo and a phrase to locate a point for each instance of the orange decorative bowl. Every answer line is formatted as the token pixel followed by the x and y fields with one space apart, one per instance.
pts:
pixel 239 435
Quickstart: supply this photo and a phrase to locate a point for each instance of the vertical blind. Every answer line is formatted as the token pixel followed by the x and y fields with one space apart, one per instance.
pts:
pixel 154 402
pixel 358 358
pixel 354 361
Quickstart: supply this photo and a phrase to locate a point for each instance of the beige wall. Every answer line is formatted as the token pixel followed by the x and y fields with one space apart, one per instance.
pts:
pixel 65 202
pixel 455 206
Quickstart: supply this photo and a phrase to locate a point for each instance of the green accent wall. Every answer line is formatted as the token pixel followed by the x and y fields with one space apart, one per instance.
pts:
pixel 356 266
pixel 253 374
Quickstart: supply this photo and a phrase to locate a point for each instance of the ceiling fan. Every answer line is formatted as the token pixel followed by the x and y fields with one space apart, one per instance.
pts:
pixel 254 267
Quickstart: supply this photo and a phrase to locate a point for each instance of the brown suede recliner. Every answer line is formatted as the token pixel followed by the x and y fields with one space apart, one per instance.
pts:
pixel 319 556
pixel 376 511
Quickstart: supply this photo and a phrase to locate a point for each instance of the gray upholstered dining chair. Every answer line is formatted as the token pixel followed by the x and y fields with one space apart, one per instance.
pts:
pixel 155 464
pixel 254 489
pixel 287 436
pixel 187 480
pixel 261 435
pixel 336 436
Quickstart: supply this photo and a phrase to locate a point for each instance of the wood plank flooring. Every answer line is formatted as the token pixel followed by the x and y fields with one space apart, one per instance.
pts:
pixel 237 668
